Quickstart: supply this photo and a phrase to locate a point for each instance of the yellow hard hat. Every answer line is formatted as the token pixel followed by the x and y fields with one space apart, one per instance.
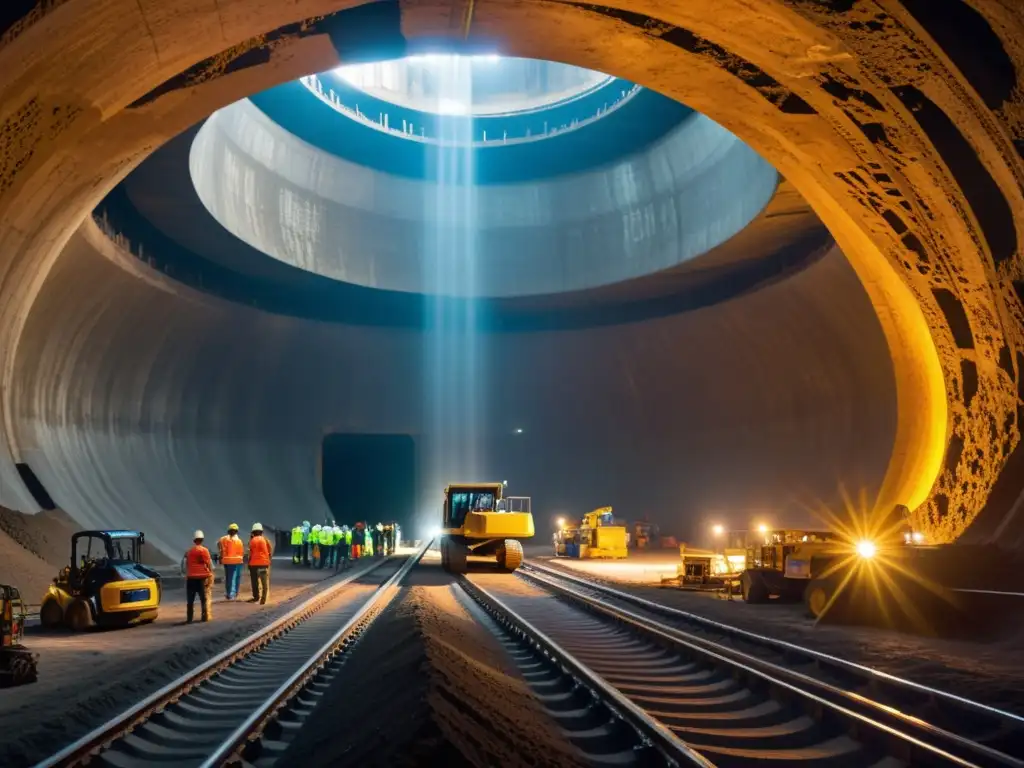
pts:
pixel 257 527
pixel 233 527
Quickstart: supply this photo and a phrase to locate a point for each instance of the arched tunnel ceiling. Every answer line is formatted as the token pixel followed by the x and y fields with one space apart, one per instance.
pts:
pixel 906 140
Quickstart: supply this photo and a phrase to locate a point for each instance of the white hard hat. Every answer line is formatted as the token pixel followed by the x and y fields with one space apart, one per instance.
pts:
pixel 316 527
pixel 198 535
pixel 257 527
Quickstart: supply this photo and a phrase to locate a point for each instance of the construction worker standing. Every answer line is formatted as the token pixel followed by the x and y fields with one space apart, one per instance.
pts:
pixel 260 553
pixel 339 542
pixel 314 543
pixel 232 553
pixel 296 545
pixel 198 578
pixel 306 532
pixel 326 542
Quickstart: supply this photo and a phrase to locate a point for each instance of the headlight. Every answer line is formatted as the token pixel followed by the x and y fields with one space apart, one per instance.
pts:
pixel 866 549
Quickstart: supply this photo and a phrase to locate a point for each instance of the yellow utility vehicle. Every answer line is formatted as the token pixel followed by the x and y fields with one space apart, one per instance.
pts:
pixel 600 537
pixel 779 564
pixel 106 584
pixel 479 521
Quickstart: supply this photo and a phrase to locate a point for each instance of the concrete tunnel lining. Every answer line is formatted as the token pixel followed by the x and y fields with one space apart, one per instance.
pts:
pixel 761 75
pixel 653 210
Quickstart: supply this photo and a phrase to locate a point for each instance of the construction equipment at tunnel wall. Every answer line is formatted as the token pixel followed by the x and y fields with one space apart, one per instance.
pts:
pixel 904 144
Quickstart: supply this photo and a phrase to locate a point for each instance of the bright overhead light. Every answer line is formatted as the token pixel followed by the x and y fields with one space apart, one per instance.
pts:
pixel 866 549
pixel 762 528
pixel 519 431
pixel 560 522
pixel 718 529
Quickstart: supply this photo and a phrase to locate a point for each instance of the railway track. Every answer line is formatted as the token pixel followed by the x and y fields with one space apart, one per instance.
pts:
pixel 732 705
pixel 245 703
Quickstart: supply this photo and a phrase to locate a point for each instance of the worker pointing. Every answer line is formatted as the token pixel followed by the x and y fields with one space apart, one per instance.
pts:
pixel 260 553
pixel 232 553
pixel 198 578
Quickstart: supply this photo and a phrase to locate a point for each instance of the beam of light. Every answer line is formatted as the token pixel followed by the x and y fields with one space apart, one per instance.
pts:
pixel 455 366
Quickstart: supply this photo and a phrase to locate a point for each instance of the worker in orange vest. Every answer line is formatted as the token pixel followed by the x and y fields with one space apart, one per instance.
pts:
pixel 198 578
pixel 232 553
pixel 260 553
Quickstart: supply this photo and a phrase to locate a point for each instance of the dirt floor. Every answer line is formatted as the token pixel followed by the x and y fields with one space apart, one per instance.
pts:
pixel 85 679
pixel 989 672
pixel 435 688
pixel 34 547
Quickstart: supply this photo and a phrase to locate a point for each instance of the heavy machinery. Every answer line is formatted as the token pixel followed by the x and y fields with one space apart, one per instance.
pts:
pixel 779 563
pixel 106 584
pixel 17 663
pixel 645 535
pixel 478 521
pixel 600 537
pixel 567 540
pixel 707 568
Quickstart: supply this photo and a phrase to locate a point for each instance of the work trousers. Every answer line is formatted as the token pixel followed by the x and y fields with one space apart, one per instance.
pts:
pixel 325 554
pixel 357 551
pixel 203 589
pixel 259 575
pixel 296 553
pixel 232 577
pixel 305 553
pixel 342 560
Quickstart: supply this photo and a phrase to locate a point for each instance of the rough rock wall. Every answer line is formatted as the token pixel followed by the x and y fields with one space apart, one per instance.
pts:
pixel 903 143
pixel 140 402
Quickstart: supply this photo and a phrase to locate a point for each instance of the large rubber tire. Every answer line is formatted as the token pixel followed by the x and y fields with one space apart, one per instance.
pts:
pixel 816 597
pixel 457 554
pixel 23 670
pixel 51 615
pixel 510 555
pixel 753 587
pixel 78 616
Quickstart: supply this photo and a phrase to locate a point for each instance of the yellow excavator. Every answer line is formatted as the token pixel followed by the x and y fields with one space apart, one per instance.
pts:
pixel 600 537
pixel 480 521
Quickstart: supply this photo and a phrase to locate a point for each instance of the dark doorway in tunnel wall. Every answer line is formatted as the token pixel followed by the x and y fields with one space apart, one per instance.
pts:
pixel 35 487
pixel 369 477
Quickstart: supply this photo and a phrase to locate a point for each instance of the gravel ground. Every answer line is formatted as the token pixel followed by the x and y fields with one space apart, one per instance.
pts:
pixel 434 688
pixel 87 678
pixel 990 672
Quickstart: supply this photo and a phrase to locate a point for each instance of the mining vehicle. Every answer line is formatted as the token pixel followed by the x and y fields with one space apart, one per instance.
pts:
pixel 105 584
pixel 779 564
pixel 17 663
pixel 479 521
pixel 600 537
pixel 645 535
pixel 567 540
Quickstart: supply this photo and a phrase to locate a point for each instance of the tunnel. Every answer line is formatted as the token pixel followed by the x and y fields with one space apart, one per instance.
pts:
pixel 722 265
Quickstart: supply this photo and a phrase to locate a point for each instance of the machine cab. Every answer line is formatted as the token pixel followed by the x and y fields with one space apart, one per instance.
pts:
pixel 94 551
pixel 479 498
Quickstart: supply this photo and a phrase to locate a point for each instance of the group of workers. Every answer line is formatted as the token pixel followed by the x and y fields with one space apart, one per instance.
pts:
pixel 232 555
pixel 335 546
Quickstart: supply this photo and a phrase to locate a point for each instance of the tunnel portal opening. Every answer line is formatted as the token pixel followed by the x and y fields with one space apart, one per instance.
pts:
pixel 369 477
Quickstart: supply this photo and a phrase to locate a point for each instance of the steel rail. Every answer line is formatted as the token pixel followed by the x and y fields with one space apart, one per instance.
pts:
pixel 875 676
pixel 955 749
pixel 663 739
pixel 254 724
pixel 84 748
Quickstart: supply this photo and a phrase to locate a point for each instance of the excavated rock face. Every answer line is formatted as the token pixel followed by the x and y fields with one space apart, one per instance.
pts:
pixel 900 121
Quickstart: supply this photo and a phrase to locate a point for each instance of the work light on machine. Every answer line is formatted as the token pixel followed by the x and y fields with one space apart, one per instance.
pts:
pixel 866 549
